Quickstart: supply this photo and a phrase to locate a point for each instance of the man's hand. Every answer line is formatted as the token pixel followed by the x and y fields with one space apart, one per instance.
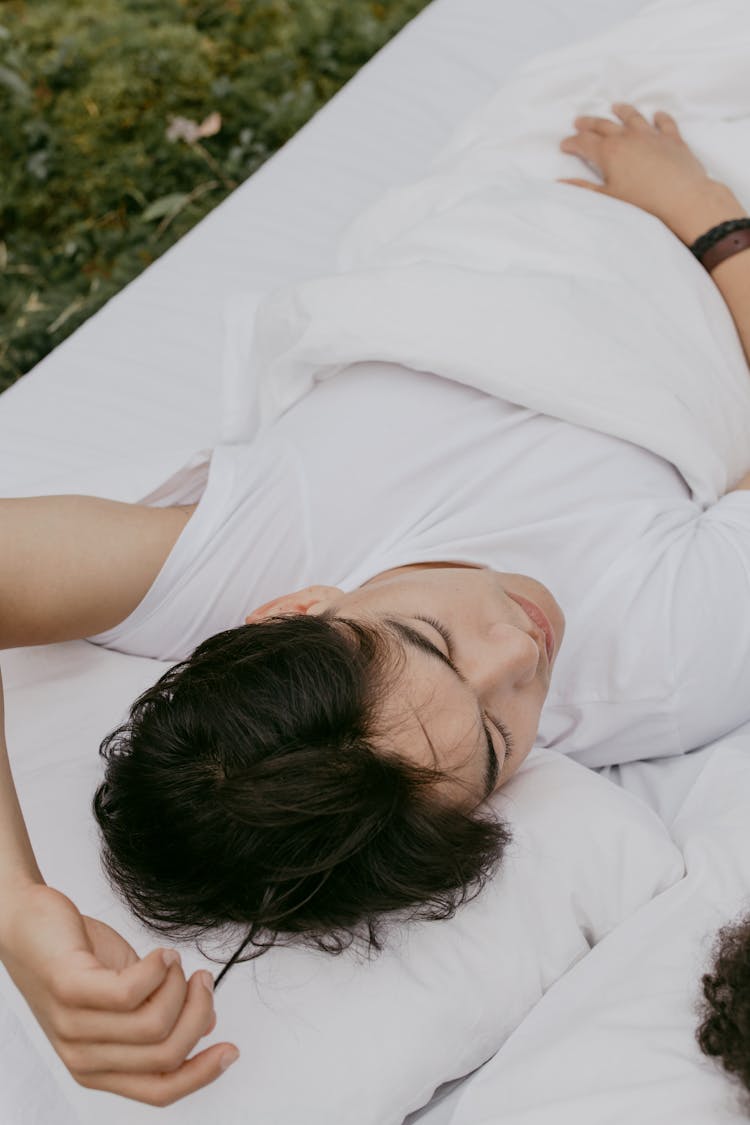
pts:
pixel 118 1023
pixel 651 167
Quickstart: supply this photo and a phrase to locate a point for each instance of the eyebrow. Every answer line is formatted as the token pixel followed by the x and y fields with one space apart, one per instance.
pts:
pixel 418 640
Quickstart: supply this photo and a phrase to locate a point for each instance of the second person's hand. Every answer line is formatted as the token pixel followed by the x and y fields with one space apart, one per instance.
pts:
pixel 649 166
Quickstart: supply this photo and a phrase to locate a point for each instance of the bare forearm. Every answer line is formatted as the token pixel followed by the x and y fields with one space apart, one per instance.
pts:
pixel 17 861
pixel 732 276
pixel 18 866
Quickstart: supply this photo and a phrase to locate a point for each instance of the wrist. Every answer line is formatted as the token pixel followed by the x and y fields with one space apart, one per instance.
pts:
pixel 14 896
pixel 704 208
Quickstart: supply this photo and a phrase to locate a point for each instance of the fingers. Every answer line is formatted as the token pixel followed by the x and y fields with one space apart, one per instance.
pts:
pixel 665 123
pixel 164 1089
pixel 124 991
pixel 160 1056
pixel 601 125
pixel 586 146
pixel 152 1022
pixel 594 132
pixel 630 115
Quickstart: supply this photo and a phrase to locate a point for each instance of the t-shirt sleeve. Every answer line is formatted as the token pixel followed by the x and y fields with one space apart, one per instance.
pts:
pixel 245 544
pixel 709 605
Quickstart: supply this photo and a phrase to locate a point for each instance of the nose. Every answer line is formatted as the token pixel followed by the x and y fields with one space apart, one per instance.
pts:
pixel 508 657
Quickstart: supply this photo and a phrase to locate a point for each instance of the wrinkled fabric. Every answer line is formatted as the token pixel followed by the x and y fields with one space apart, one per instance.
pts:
pixel 558 299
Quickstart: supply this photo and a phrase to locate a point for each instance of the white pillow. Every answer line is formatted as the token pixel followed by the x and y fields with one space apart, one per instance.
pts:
pixel 327 1040
pixel 615 1039
pixel 340 1040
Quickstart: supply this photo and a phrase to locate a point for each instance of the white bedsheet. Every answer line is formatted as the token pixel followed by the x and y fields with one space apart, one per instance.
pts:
pixel 132 395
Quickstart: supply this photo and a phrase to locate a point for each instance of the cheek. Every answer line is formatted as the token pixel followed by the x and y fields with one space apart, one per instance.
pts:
pixel 523 725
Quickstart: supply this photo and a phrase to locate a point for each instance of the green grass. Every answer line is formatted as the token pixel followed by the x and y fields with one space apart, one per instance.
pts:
pixel 92 188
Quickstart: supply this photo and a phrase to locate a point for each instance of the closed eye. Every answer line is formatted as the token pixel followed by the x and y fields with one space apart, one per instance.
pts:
pixel 419 640
pixel 447 636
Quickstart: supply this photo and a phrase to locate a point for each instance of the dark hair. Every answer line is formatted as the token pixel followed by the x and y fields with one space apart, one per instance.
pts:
pixel 246 788
pixel 724 1032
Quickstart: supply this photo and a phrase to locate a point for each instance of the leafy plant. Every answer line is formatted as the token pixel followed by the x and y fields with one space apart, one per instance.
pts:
pixel 123 122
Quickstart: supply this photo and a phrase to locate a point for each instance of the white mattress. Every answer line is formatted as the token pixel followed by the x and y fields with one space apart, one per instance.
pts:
pixel 133 394
pixel 142 374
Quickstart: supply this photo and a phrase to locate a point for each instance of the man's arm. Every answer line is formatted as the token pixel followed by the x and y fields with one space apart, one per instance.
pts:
pixel 72 566
pixel 18 864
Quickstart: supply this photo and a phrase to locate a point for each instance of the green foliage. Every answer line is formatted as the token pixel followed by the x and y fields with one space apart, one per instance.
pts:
pixel 93 189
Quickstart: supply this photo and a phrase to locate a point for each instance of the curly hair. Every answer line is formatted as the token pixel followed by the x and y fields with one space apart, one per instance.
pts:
pixel 724 1032
pixel 251 785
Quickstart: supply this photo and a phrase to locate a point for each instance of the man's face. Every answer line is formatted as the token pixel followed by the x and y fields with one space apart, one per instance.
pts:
pixel 443 716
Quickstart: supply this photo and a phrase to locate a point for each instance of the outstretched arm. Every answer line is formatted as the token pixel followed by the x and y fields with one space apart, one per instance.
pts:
pixel 72 566
pixel 118 1022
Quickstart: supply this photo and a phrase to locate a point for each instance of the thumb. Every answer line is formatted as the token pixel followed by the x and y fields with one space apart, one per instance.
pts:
pixel 584 184
pixel 110 948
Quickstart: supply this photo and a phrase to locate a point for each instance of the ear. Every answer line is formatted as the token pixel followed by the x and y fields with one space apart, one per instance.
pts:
pixel 313 599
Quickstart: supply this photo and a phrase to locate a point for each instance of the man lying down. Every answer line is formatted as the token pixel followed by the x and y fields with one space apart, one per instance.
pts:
pixel 447 579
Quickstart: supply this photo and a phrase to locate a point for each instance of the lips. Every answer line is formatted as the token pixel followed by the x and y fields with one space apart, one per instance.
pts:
pixel 534 613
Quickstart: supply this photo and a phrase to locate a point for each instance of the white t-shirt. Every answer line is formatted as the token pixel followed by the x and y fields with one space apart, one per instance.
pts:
pixel 381 466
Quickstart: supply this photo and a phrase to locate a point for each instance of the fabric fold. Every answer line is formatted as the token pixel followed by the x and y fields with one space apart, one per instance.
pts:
pixel 489 272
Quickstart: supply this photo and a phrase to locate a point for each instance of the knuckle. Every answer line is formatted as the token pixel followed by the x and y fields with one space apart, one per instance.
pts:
pixel 128 994
pixel 61 987
pixel 75 1060
pixel 166 1098
pixel 169 1057
pixel 161 1100
pixel 160 1097
pixel 86 1080
pixel 157 1027
pixel 63 1023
